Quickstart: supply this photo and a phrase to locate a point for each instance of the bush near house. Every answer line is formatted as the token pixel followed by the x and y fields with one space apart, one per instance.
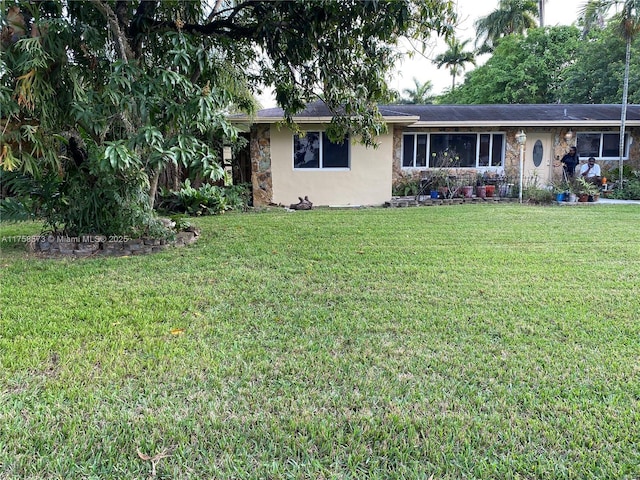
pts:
pixel 205 200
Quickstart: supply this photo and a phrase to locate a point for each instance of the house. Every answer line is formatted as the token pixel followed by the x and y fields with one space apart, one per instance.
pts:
pixel 481 138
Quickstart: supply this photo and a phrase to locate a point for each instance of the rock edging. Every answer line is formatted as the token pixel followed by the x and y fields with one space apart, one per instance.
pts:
pixel 115 246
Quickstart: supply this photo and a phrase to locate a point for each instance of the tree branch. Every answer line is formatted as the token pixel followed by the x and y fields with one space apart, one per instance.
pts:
pixel 121 40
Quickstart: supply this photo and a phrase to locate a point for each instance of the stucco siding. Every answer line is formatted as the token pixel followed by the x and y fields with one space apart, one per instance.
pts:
pixel 367 181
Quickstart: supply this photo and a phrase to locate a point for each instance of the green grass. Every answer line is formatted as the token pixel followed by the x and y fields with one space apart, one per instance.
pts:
pixel 447 342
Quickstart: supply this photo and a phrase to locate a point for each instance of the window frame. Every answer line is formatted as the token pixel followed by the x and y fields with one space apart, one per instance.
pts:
pixel 477 166
pixel 321 139
pixel 627 144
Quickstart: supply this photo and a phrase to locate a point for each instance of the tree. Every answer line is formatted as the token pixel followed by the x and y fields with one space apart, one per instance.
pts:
pixel 511 16
pixel 140 85
pixel 628 24
pixel 455 58
pixel 420 95
pixel 541 5
pixel 522 69
pixel 596 74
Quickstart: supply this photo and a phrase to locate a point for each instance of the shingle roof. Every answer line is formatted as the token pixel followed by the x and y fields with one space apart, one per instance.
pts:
pixel 320 110
pixel 530 112
pixel 469 115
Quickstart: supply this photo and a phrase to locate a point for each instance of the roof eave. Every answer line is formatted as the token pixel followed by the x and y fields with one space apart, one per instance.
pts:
pixel 523 124
pixel 405 119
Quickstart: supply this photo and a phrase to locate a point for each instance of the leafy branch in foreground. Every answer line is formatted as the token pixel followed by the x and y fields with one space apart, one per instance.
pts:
pixel 149 84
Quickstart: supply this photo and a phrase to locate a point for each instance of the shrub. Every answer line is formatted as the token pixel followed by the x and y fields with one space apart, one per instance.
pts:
pixel 84 199
pixel 206 200
pixel 537 195
pixel 405 187
pixel 629 191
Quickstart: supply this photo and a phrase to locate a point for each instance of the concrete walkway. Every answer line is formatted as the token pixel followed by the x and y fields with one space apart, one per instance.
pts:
pixel 611 201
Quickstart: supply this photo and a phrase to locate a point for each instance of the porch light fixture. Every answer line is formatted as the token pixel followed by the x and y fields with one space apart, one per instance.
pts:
pixel 521 138
pixel 568 136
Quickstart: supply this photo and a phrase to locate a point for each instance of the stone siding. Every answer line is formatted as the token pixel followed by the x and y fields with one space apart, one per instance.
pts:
pixel 261 165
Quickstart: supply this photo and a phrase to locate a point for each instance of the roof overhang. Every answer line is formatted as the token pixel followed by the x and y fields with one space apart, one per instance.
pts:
pixel 524 123
pixel 399 120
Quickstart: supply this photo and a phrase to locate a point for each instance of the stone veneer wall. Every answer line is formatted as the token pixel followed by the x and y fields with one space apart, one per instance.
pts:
pixel 512 152
pixel 260 148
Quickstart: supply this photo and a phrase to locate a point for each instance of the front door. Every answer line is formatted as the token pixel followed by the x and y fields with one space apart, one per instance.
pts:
pixel 538 160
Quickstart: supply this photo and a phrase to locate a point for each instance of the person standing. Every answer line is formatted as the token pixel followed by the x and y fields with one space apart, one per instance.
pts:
pixel 569 162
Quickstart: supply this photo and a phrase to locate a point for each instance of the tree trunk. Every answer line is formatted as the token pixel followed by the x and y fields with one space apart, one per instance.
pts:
pixel 153 187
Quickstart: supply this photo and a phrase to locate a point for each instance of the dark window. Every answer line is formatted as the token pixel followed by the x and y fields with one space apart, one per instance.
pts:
pixel 453 150
pixel 484 159
pixel 408 150
pixel 315 150
pixel 601 145
pixel 538 152
pixel 497 150
pixel 461 147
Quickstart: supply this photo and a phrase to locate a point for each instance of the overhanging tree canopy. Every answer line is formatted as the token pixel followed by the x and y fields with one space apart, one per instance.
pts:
pixel 142 84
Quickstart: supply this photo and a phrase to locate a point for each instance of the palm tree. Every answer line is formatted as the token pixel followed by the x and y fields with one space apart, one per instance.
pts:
pixel 541 4
pixel 512 16
pixel 628 20
pixel 455 58
pixel 420 95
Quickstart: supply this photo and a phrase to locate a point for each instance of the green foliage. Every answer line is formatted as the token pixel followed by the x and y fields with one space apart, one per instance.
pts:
pixel 455 58
pixel 154 83
pixel 205 200
pixel 420 95
pixel 582 187
pixel 95 197
pixel 522 69
pixel 181 221
pixel 538 195
pixel 511 17
pixel 596 74
pixel 406 186
pixel 630 189
pixel 627 173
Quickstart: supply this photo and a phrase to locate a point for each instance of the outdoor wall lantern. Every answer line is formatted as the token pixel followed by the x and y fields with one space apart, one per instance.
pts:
pixel 521 138
pixel 568 136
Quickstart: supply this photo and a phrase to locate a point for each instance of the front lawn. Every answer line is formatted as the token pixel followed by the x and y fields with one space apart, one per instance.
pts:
pixel 475 341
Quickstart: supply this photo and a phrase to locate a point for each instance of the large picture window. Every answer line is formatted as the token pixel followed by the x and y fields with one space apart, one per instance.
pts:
pixel 470 150
pixel 601 145
pixel 315 151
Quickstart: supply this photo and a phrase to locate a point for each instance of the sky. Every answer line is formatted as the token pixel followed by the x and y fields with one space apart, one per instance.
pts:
pixel 558 12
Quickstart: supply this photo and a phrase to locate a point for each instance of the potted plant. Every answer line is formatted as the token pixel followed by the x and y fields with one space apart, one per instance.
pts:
pixel 562 191
pixel 585 190
pixel 481 189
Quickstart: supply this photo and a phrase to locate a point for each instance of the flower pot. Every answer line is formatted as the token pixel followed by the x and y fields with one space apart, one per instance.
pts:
pixel 467 192
pixel 433 194
pixel 481 192
pixel 572 197
pixel 560 197
pixel 583 198
pixel 504 190
pixel 491 190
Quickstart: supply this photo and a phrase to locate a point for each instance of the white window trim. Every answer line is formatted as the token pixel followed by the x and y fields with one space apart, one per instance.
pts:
pixel 627 146
pixel 320 168
pixel 477 167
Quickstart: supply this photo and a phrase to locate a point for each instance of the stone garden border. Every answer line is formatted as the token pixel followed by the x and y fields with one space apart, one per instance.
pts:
pixel 115 246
